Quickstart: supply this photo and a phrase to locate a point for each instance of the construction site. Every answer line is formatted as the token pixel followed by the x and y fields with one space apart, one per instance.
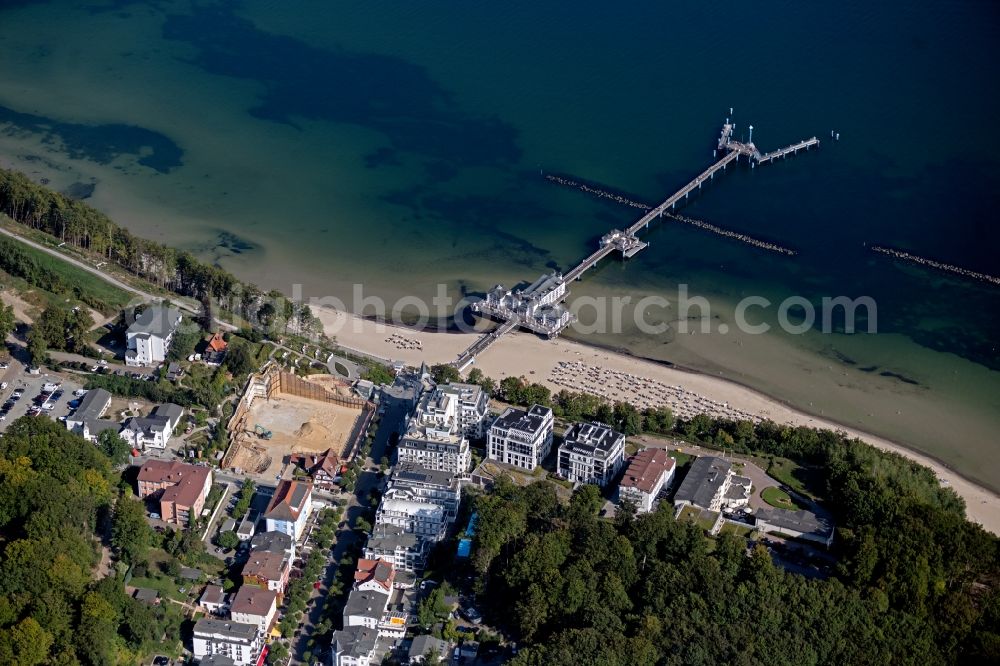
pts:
pixel 280 414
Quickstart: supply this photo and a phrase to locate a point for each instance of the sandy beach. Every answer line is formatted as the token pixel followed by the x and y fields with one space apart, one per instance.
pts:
pixel 565 364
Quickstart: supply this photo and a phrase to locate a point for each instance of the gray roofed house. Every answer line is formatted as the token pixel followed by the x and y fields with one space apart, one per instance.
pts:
pixel 800 524
pixel 217 660
pixel 225 628
pixel 156 320
pixel 473 407
pixel 241 642
pixel 174 371
pixel 190 573
pixel 707 484
pixel 148 338
pixel 426 643
pixel 143 431
pixel 364 388
pixel 86 420
pixel 247 528
pixel 155 430
pixel 353 645
pixel 365 607
pixel 408 473
pixel 273 542
pixel 94 427
pixel 146 595
pixel 739 490
pixel 229 525
pixel 171 412
pixel 530 421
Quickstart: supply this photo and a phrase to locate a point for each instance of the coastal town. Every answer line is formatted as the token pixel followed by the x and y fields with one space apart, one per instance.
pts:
pixel 251 490
pixel 346 508
pixel 384 334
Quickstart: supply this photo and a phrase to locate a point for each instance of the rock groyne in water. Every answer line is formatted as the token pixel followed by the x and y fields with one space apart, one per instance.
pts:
pixel 937 265
pixel 603 193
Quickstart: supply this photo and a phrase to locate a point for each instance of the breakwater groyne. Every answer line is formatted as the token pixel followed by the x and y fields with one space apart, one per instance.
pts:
pixel 604 193
pixel 937 265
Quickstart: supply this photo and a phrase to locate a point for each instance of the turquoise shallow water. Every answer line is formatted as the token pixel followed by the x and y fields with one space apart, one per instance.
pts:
pixel 399 145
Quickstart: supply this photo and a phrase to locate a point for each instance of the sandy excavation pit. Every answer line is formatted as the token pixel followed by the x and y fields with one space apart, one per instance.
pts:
pixel 297 425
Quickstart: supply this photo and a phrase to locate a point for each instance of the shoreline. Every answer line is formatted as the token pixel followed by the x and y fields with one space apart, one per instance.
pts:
pixel 525 355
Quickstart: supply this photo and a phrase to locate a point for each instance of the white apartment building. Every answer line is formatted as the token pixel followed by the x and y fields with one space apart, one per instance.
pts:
pixel 427 521
pixel 239 641
pixel 521 438
pixel 434 436
pixel 472 406
pixel 365 608
pixel 419 484
pixel 591 453
pixel 405 550
pixel 148 339
pixel 354 646
pixel 289 509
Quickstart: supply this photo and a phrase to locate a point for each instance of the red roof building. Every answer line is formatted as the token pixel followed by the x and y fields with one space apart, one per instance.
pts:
pixel 180 488
pixel 324 468
pixel 648 472
pixel 375 575
pixel 217 343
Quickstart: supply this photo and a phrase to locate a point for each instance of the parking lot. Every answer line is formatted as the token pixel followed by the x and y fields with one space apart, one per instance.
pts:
pixel 24 391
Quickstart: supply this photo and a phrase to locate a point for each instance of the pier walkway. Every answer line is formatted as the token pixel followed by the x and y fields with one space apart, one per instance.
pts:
pixel 788 150
pixel 484 342
pixel 671 202
pixel 543 314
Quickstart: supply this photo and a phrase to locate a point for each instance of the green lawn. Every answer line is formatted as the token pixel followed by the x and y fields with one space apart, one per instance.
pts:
pixel 680 457
pixel 689 513
pixel 802 480
pixel 87 286
pixel 778 498
pixel 732 528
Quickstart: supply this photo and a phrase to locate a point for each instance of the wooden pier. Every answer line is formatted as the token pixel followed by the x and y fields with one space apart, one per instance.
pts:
pixel 484 342
pixel 627 242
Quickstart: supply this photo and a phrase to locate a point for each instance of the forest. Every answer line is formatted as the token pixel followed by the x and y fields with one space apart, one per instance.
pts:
pixel 918 584
pixel 58 493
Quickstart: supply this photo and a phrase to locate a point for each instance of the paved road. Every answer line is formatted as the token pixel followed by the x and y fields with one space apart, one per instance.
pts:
pixel 397 401
pixel 145 295
pixel 80 264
